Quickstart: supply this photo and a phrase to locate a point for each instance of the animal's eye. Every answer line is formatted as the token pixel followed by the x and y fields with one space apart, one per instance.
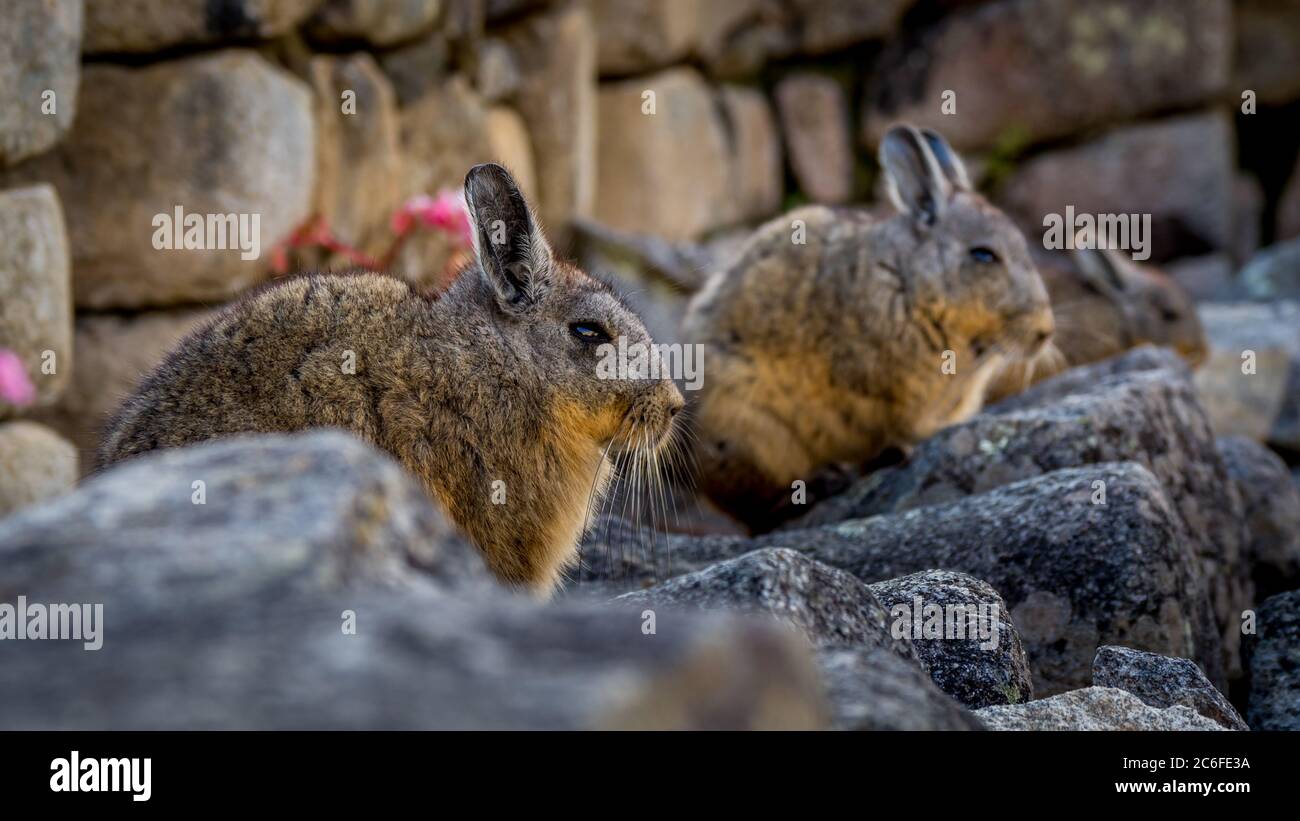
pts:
pixel 984 256
pixel 1170 315
pixel 589 332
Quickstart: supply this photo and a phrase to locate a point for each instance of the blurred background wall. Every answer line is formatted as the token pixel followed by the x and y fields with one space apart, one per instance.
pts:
pixel 651 135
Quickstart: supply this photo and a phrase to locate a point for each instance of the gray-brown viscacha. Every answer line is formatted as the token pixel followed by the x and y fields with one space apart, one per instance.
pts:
pixel 495 380
pixel 827 339
pixel 1105 304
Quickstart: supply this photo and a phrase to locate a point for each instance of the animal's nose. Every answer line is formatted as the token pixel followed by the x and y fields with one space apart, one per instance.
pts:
pixel 675 399
pixel 1042 331
pixel 1047 326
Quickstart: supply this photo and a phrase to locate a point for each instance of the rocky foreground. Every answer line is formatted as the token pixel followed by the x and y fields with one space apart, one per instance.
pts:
pixel 1109 544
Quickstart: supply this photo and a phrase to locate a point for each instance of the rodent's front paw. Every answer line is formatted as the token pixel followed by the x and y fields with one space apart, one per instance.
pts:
pixel 892 456
pixel 831 480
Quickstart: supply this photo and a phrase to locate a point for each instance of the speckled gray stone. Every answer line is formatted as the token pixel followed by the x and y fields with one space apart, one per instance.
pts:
pixel 1075 574
pixel 1133 409
pixel 1095 708
pixel 873 689
pixel 311 511
pixel 233 613
pixel 977 672
pixel 618 556
pixel 1271 502
pixel 1161 681
pixel 829 606
pixel 1084 379
pixel 1272 656
pixel 416 661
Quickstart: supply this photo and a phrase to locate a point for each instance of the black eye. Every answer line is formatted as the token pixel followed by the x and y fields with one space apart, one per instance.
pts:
pixel 984 256
pixel 589 332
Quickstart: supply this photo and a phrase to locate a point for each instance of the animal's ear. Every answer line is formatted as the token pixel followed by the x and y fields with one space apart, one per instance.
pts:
pixel 1103 268
pixel 917 186
pixel 513 253
pixel 949 162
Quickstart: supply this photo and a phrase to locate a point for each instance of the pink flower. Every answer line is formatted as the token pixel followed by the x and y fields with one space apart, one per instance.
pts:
pixel 402 220
pixel 446 213
pixel 15 387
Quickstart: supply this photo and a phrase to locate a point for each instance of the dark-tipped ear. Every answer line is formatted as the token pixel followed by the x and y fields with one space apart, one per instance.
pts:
pixel 916 184
pixel 1103 268
pixel 949 163
pixel 513 253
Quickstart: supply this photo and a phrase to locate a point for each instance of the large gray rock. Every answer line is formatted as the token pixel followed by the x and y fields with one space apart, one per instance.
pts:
pixel 982 664
pixel 314 585
pixel 1179 170
pixel 228 133
pixel 416 661
pixel 1161 681
pixel 874 689
pixel 1082 379
pixel 1250 384
pixel 1071 571
pixel 619 556
pixel 829 606
pixel 1136 407
pixel 1104 413
pixel 252 515
pixel 1272 656
pixel 1031 70
pixel 1271 503
pixel 1094 708
pixel 40 51
pixel 1074 574
pixel 152 25
pixel 36 309
pixel 36 464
